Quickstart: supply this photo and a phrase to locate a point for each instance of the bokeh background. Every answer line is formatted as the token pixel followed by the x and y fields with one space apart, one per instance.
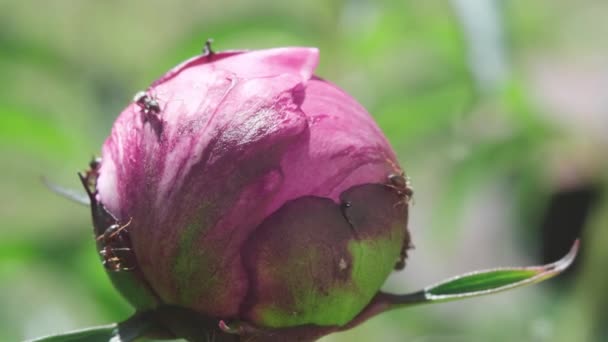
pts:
pixel 498 111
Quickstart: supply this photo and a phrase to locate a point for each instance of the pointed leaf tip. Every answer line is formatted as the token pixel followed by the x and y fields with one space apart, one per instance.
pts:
pixel 484 282
pixel 101 333
pixel 133 328
pixel 70 194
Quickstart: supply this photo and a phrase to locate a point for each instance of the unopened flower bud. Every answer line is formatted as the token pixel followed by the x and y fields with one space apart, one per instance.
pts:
pixel 243 187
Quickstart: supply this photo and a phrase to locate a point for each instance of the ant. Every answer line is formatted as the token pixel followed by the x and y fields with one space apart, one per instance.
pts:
pixel 111 237
pixel 402 185
pixel 101 217
pixel 207 51
pixel 113 244
pixel 148 104
pixel 89 177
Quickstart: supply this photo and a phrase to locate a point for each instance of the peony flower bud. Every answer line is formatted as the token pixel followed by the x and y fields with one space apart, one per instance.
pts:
pixel 245 188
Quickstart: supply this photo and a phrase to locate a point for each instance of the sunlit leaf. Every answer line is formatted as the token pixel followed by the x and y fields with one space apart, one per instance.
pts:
pixel 485 282
pixel 129 330
pixel 97 334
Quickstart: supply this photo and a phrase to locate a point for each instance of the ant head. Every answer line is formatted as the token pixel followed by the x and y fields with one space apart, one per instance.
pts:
pixel 94 163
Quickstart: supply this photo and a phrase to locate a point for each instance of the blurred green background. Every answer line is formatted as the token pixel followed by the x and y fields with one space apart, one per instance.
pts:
pixel 498 111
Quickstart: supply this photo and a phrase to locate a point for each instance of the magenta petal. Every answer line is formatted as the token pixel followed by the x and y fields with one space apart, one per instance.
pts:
pixel 300 61
pixel 266 63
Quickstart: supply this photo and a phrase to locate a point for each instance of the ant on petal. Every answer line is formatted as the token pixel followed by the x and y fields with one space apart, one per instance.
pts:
pixel 148 104
pixel 207 51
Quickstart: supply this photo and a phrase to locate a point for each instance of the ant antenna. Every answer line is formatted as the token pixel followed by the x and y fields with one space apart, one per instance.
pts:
pixel 116 231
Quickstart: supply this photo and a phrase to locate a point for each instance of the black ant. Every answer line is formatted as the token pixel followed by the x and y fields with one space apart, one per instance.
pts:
pixel 207 51
pixel 89 177
pixel 399 182
pixel 101 217
pixel 112 238
pixel 114 243
pixel 148 104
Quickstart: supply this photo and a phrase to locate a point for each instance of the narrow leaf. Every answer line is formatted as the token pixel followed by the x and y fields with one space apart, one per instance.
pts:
pixel 103 333
pixel 136 326
pixel 72 195
pixel 484 282
pixel 481 281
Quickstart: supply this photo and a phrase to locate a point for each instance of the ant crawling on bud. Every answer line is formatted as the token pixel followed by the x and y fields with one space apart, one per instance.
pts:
pixel 89 178
pixel 207 51
pixel 148 104
pixel 150 108
pixel 401 183
pixel 114 243
pixel 112 237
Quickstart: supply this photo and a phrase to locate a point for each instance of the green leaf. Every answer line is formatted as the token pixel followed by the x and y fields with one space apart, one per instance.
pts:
pixel 75 196
pixel 136 326
pixel 484 282
pixel 96 334
pixel 476 282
